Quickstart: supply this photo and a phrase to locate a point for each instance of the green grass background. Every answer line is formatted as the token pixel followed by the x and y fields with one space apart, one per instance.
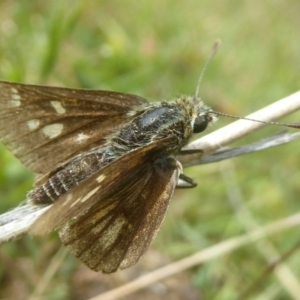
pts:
pixel 156 49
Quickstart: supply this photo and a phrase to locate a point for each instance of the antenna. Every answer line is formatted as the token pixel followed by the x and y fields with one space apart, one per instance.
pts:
pixel 213 51
pixel 292 125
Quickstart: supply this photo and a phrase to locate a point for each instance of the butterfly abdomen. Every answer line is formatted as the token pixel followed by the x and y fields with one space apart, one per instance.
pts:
pixel 70 175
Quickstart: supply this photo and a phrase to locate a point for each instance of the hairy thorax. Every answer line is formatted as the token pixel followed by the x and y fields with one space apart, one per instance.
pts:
pixel 169 119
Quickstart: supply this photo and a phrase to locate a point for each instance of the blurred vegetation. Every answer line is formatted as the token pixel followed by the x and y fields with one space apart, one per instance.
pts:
pixel 156 49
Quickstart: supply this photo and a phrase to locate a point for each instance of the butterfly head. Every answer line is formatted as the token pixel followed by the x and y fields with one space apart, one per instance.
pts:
pixel 204 117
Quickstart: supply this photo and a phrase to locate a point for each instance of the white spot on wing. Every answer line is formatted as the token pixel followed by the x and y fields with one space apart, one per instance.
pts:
pixel 86 197
pixel 69 198
pixel 91 193
pixel 15 94
pixel 81 137
pixel 100 178
pixel 75 202
pixel 33 124
pixel 58 107
pixel 15 103
pixel 16 98
pixel 53 130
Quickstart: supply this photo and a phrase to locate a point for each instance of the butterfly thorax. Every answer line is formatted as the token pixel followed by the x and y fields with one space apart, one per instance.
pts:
pixel 159 121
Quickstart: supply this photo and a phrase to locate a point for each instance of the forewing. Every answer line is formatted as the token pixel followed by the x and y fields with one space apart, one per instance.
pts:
pixel 44 126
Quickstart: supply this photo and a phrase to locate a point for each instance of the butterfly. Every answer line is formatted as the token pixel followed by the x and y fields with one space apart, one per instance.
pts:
pixel 104 161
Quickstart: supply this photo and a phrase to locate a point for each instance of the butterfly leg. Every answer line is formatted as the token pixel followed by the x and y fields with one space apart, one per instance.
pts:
pixel 185 182
pixel 190 151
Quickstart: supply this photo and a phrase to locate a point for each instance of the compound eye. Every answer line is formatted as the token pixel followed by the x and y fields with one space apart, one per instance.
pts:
pixel 200 124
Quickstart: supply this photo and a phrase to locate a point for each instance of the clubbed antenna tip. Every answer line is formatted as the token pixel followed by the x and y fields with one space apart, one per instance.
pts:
pixel 213 51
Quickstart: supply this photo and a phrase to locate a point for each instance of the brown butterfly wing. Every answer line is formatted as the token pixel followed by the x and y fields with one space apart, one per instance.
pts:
pixel 116 214
pixel 105 182
pixel 118 236
pixel 45 126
